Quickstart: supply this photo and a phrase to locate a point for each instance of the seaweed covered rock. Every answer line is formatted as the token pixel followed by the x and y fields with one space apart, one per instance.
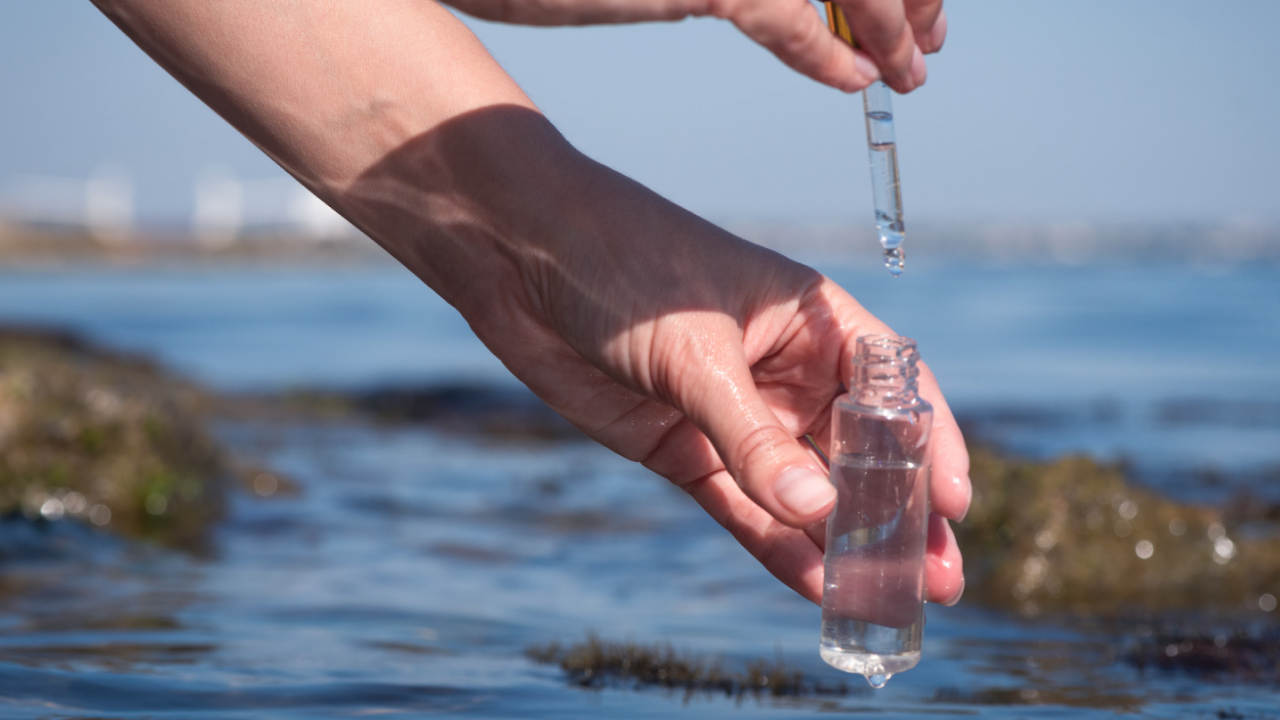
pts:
pixel 600 663
pixel 105 438
pixel 496 412
pixel 1074 536
pixel 1244 655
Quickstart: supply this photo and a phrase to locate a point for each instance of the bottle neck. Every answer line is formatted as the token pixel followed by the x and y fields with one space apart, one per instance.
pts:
pixel 885 372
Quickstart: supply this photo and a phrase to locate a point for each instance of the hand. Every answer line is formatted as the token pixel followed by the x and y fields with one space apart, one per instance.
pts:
pixel 892 34
pixel 661 336
pixel 664 338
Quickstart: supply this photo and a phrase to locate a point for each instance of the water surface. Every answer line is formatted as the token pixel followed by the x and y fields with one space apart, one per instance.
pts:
pixel 412 568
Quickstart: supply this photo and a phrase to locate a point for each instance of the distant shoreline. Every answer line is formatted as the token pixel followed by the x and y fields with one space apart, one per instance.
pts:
pixel 28 246
pixel 1071 242
pixel 1063 243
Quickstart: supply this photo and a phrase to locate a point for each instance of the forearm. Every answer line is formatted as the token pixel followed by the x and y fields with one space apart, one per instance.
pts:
pixel 663 337
pixel 389 110
pixel 393 113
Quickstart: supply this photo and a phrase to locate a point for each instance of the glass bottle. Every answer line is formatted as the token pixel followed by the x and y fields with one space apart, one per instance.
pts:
pixel 873 595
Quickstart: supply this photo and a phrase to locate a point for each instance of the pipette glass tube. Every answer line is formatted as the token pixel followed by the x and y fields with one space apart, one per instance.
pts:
pixel 885 188
pixel 886 191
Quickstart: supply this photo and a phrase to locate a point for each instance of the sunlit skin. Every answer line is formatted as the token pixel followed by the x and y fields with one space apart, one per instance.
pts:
pixel 661 336
pixel 892 35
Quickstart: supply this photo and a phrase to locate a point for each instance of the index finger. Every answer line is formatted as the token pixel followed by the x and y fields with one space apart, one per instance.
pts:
pixel 928 23
pixel 950 490
pixel 798 35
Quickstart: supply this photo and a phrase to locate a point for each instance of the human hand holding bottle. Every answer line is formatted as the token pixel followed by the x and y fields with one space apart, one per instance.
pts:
pixel 670 341
pixel 661 336
pixel 707 358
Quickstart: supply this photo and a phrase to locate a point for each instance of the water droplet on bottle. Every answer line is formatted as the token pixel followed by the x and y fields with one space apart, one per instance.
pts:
pixel 878 681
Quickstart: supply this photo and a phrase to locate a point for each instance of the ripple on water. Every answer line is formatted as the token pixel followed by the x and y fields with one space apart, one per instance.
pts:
pixel 426 604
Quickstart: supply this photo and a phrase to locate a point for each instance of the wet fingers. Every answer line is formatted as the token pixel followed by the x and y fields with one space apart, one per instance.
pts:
pixel 944 568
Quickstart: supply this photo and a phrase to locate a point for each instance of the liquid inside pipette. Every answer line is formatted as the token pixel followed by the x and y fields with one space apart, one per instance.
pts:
pixel 885 187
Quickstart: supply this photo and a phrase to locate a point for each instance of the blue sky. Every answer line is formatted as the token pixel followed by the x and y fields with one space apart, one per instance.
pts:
pixel 1096 110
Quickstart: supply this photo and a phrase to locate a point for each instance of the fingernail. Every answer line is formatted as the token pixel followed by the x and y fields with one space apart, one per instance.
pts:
pixel 955 597
pixel 803 491
pixel 968 503
pixel 866 67
pixel 919 71
pixel 958 594
pixel 938 35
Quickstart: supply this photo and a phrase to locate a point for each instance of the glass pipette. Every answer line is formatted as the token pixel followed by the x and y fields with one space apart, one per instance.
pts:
pixel 886 190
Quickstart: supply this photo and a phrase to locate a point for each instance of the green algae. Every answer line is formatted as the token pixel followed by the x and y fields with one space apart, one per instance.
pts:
pixel 105 438
pixel 1075 536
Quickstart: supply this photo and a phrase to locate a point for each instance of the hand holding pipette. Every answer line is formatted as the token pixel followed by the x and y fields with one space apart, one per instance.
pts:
pixel 886 189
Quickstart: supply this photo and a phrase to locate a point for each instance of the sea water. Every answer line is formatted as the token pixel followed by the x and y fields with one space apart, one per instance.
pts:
pixel 873 598
pixel 405 575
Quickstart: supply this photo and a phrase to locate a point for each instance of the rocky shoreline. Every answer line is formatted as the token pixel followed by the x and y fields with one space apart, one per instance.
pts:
pixel 115 443
pixel 1075 536
pixel 106 439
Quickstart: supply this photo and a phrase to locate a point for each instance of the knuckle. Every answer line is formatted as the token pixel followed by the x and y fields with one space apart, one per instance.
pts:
pixel 771 550
pixel 723 9
pixel 761 446
pixel 805 37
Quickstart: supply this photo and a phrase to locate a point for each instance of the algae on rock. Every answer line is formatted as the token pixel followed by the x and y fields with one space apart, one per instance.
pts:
pixel 1073 535
pixel 103 437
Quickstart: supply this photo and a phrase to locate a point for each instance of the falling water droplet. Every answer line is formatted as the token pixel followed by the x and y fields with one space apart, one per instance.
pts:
pixel 894 260
pixel 878 681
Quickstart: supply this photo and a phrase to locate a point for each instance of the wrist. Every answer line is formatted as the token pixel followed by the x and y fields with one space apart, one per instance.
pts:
pixel 477 205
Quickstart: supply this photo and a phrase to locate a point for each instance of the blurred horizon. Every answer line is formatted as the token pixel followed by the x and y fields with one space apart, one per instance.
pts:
pixel 1147 113
pixel 292 237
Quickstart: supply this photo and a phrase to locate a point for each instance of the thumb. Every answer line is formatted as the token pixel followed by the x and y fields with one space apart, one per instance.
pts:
pixel 797 34
pixel 770 465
